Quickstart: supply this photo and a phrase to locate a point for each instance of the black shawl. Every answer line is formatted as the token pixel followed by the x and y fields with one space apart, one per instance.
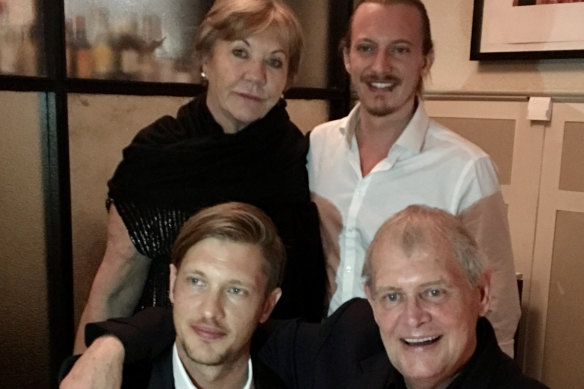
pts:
pixel 189 162
pixel 176 166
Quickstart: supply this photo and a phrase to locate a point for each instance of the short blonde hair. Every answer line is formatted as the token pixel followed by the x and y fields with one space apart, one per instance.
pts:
pixel 239 223
pixel 238 19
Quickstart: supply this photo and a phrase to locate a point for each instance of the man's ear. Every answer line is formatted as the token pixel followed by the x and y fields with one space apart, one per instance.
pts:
pixel 347 59
pixel 485 293
pixel 270 303
pixel 172 279
pixel 370 299
pixel 428 62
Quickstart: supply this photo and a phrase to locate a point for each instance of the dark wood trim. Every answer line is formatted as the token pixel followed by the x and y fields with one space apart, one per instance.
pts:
pixel 314 94
pixel 475 38
pixel 339 14
pixel 57 197
pixel 92 86
pixel 26 84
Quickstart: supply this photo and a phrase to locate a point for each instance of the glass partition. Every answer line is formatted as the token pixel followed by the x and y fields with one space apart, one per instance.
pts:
pixel 136 40
pixel 151 40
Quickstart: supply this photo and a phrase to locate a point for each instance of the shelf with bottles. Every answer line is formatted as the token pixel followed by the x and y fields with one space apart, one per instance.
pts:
pixel 121 41
pixel 19 39
pixel 142 46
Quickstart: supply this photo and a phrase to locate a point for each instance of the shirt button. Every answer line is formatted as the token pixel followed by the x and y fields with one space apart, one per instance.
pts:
pixel 348 269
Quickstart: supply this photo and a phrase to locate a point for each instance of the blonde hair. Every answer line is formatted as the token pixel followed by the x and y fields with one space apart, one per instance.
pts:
pixel 239 223
pixel 238 19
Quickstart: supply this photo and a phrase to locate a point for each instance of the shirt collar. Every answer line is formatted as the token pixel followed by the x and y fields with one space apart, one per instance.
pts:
pixel 415 132
pixel 348 124
pixel 183 381
pixel 412 138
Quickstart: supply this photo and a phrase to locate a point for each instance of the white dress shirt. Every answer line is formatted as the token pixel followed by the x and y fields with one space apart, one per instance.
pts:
pixel 428 164
pixel 183 381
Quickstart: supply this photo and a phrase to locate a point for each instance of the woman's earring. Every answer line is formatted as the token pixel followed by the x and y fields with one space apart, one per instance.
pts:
pixel 203 76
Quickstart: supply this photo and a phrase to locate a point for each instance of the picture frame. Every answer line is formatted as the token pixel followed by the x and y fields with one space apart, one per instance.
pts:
pixel 504 30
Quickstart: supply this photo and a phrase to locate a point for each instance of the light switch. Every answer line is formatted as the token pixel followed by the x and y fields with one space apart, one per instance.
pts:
pixel 539 108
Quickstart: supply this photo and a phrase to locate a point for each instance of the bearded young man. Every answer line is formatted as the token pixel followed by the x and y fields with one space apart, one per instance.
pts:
pixel 388 154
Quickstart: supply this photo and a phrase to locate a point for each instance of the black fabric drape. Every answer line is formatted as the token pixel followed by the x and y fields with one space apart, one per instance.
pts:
pixel 176 166
pixel 188 162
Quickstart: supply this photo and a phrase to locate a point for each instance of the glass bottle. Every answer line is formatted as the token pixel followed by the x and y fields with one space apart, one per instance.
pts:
pixel 26 57
pixel 70 48
pixel 152 37
pixel 9 42
pixel 84 57
pixel 128 48
pixel 102 51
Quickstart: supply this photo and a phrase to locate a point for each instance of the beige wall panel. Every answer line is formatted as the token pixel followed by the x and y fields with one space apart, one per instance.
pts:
pixel 307 114
pixel 521 191
pixel 572 168
pixel 24 336
pixel 517 151
pixel 100 127
pixel 553 203
pixel 564 344
pixel 313 69
pixel 495 136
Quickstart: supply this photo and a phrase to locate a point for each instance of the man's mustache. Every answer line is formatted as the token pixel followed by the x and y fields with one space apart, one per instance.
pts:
pixel 381 78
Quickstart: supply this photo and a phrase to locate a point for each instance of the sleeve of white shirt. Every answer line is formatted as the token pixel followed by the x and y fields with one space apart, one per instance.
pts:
pixel 486 219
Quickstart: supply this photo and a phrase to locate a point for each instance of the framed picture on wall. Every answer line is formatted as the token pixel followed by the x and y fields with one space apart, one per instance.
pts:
pixel 527 29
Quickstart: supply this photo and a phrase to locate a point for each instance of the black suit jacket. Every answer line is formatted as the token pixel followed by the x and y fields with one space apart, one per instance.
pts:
pixel 148 338
pixel 157 374
pixel 345 351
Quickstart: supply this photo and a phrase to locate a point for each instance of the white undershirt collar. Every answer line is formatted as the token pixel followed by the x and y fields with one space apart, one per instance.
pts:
pixel 183 381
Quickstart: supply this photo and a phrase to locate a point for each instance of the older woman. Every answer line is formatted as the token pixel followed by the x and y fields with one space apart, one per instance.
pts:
pixel 234 143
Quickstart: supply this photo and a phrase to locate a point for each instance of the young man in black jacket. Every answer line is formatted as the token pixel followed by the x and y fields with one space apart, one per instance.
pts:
pixel 227 268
